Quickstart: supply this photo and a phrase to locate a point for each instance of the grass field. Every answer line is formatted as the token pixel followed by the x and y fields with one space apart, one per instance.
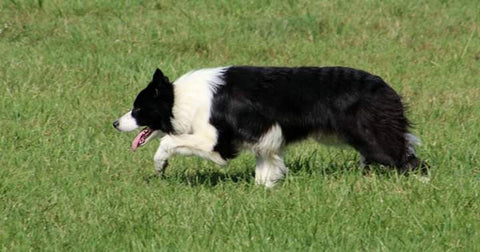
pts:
pixel 69 182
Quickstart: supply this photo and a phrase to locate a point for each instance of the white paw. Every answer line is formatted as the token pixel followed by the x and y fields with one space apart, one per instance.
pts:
pixel 160 166
pixel 216 158
pixel 269 180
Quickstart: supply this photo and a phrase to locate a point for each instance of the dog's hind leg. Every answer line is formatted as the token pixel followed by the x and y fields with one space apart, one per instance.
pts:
pixel 270 167
pixel 187 144
pixel 412 162
pixel 394 150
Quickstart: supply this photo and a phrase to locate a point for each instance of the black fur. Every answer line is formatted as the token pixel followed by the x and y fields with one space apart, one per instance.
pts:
pixel 153 105
pixel 358 107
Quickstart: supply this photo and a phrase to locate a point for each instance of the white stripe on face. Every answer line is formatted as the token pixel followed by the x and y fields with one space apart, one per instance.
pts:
pixel 127 122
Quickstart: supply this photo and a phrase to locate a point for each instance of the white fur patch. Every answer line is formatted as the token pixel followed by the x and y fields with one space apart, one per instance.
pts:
pixel 270 167
pixel 127 122
pixel 412 140
pixel 193 99
pixel 269 143
pixel 186 144
pixel 269 170
pixel 191 118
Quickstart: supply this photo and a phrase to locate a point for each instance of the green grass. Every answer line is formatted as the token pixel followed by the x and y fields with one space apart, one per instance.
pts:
pixel 69 182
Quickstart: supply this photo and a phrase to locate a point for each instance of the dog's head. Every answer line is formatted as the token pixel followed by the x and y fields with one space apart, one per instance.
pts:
pixel 152 108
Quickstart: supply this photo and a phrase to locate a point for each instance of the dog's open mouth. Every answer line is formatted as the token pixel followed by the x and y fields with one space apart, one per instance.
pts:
pixel 142 138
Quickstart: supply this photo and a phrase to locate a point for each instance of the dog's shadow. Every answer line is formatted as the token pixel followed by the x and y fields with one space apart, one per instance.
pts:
pixel 304 166
pixel 312 164
pixel 205 177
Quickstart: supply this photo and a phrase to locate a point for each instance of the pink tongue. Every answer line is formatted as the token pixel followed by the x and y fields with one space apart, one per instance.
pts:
pixel 136 141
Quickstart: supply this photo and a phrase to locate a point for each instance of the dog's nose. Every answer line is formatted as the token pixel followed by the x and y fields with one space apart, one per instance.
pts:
pixel 115 124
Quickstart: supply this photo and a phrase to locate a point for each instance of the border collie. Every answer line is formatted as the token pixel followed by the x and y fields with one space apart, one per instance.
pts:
pixel 214 113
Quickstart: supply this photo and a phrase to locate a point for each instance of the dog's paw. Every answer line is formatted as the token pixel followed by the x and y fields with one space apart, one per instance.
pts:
pixel 160 166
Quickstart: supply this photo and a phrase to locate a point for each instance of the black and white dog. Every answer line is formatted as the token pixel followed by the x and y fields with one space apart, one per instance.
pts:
pixel 213 113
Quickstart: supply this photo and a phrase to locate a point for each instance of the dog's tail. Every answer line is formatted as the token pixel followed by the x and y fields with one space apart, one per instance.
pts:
pixel 412 162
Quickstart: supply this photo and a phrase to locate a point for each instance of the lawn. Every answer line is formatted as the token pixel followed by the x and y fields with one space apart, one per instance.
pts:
pixel 68 180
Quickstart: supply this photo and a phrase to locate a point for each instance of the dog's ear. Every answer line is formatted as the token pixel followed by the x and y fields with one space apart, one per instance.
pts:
pixel 159 82
pixel 158 76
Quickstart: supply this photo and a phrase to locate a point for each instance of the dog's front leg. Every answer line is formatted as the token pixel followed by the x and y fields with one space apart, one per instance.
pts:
pixel 162 155
pixel 160 161
pixel 188 144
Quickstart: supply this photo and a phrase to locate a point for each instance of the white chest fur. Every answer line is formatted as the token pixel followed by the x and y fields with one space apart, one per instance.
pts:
pixel 193 98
